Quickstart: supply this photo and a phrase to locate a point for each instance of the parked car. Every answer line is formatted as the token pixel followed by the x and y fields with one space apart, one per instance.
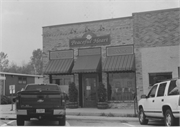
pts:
pixel 41 101
pixel 162 102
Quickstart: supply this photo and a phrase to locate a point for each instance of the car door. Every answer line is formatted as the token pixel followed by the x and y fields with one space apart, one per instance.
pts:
pixel 159 100
pixel 149 102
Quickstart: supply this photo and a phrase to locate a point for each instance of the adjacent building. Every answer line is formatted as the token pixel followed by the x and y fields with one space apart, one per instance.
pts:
pixel 16 81
pixel 127 54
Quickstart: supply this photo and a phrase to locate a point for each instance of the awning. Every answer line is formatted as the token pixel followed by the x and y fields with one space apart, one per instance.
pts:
pixel 60 66
pixel 86 64
pixel 119 63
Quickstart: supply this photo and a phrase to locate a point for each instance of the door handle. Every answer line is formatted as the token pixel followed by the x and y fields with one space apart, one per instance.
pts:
pixel 162 100
pixel 152 100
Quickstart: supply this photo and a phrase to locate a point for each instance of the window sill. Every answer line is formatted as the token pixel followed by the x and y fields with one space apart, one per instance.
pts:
pixel 128 101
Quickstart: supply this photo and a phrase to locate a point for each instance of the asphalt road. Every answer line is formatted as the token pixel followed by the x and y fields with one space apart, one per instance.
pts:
pixel 83 123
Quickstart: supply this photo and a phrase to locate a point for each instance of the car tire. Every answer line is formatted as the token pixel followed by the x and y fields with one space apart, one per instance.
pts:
pixel 177 121
pixel 62 121
pixel 20 120
pixel 142 117
pixel 169 119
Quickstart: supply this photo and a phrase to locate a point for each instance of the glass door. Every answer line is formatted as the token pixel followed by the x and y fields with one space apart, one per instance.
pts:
pixel 90 90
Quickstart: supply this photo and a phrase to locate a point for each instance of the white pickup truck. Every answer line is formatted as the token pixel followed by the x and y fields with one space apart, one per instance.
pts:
pixel 162 102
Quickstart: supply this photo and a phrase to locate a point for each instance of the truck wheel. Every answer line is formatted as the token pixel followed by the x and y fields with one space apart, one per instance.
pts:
pixel 20 121
pixel 62 121
pixel 169 118
pixel 142 117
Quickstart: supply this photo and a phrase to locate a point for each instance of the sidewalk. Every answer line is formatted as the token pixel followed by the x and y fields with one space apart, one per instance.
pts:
pixel 80 113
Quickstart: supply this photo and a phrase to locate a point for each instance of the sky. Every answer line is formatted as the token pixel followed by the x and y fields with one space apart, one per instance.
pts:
pixel 21 21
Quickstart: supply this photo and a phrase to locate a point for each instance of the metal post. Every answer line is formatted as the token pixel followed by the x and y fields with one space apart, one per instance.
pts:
pixel 11 100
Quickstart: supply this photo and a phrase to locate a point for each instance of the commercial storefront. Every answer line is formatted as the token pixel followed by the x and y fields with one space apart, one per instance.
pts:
pixel 126 54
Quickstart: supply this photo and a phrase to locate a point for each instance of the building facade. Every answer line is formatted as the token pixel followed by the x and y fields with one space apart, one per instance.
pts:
pixel 17 80
pixel 126 54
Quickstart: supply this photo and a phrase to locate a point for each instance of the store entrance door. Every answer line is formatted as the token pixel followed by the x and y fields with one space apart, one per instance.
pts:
pixel 90 89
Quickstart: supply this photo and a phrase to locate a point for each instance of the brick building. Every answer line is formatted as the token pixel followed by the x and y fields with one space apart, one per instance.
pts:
pixel 127 54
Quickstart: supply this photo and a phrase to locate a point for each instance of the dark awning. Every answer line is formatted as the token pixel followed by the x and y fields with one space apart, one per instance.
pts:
pixel 60 66
pixel 119 63
pixel 86 64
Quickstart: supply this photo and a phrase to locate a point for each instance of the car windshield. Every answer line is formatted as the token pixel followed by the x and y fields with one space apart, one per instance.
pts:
pixel 42 88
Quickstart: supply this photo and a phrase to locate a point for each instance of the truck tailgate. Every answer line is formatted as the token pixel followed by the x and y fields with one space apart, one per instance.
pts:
pixel 40 99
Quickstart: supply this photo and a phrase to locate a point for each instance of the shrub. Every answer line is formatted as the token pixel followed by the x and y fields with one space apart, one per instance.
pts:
pixel 73 92
pixel 5 100
pixel 102 93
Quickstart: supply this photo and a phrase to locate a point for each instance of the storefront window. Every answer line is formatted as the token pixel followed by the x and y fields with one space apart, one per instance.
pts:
pixel 121 86
pixel 63 81
pixel 158 77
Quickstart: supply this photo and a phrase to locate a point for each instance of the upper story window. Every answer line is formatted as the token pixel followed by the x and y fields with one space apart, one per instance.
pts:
pixel 22 80
pixel 158 77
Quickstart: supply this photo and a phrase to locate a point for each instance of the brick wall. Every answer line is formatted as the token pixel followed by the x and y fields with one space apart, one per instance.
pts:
pixel 146 29
pixel 154 29
pixel 57 37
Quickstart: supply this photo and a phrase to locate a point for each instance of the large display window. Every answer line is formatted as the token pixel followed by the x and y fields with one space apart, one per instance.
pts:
pixel 121 86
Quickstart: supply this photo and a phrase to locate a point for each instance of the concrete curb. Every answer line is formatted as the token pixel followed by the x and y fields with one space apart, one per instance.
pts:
pixel 73 117
pixel 102 114
pixel 121 119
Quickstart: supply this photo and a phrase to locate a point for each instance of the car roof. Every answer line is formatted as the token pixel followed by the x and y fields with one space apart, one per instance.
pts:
pixel 167 80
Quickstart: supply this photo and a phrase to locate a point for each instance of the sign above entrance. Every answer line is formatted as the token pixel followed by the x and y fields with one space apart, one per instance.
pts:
pixel 61 54
pixel 89 40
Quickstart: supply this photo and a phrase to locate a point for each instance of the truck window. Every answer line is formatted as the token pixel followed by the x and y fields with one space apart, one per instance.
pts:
pixel 173 90
pixel 161 89
pixel 152 92
pixel 42 88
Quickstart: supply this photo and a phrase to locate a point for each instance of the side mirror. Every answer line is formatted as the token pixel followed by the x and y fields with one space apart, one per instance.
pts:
pixel 143 96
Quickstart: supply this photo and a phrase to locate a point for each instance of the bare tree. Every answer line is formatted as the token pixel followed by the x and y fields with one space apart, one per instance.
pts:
pixel 3 61
pixel 36 61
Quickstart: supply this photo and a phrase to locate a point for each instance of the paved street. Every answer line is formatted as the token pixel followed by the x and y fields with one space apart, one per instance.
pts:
pixel 81 117
pixel 83 122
